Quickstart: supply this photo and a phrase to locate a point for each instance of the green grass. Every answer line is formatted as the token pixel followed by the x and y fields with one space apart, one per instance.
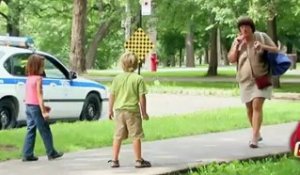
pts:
pixel 199 88
pixel 194 73
pixel 182 73
pixel 210 88
pixel 268 166
pixel 206 88
pixel 85 135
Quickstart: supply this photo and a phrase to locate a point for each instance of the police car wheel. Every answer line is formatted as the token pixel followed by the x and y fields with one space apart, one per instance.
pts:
pixel 91 108
pixel 7 114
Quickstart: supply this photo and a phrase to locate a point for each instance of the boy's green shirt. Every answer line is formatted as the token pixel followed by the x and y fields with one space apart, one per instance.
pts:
pixel 127 88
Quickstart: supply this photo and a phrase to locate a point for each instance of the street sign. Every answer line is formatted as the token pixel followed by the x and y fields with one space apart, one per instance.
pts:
pixel 146 7
pixel 139 43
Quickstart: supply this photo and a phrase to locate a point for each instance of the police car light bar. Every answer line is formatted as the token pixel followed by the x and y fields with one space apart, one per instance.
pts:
pixel 23 42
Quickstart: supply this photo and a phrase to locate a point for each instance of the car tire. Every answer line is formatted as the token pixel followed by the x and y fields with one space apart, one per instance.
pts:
pixel 7 114
pixel 92 108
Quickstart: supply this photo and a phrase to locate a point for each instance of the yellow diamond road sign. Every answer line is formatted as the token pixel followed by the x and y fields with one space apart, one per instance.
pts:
pixel 139 43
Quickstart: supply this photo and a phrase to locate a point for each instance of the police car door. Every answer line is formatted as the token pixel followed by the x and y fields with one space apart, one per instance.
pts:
pixel 55 89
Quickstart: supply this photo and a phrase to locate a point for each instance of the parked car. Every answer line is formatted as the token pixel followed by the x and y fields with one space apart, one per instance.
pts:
pixel 70 97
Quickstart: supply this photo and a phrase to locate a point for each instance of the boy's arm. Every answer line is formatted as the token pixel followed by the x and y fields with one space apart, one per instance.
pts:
pixel 111 105
pixel 143 106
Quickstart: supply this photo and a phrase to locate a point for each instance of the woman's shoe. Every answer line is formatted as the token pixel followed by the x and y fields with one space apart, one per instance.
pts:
pixel 253 144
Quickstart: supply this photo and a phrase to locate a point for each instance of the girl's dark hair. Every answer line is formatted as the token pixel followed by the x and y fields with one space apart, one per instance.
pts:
pixel 245 20
pixel 34 64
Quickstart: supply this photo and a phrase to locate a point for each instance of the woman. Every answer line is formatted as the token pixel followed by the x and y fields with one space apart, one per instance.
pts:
pixel 247 50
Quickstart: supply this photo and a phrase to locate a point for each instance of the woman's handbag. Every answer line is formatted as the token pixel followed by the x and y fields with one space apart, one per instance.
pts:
pixel 263 81
pixel 278 62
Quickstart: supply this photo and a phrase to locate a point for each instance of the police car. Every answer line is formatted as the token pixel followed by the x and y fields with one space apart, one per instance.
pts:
pixel 70 97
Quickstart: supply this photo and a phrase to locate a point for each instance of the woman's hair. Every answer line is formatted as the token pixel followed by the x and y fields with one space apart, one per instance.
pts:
pixel 34 64
pixel 129 62
pixel 245 20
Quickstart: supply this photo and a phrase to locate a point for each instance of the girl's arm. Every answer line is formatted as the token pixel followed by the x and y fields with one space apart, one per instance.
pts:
pixel 40 98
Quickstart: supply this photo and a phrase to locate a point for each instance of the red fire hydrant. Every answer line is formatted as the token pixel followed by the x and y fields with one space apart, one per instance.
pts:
pixel 154 62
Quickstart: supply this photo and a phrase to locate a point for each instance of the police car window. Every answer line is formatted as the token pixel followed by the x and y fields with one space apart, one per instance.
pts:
pixel 16 64
pixel 51 71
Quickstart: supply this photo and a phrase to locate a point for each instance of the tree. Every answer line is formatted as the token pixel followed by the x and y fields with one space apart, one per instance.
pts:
pixel 110 12
pixel 12 17
pixel 77 58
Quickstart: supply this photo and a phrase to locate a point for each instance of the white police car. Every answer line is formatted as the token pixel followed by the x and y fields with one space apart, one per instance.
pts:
pixel 70 97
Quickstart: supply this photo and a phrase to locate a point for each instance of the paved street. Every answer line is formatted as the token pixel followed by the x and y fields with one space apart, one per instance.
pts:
pixel 174 104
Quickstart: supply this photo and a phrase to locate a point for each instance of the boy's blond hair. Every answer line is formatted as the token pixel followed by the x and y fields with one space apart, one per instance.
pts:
pixel 129 62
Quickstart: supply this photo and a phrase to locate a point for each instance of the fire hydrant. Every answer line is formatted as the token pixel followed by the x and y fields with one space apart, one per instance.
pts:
pixel 154 62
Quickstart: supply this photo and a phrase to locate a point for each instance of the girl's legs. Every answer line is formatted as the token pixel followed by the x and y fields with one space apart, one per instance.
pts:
pixel 30 136
pixel 45 132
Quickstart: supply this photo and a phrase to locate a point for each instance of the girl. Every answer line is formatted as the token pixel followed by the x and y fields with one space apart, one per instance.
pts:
pixel 37 113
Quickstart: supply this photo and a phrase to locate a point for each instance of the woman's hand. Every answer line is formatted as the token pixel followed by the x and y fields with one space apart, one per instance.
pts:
pixel 258 45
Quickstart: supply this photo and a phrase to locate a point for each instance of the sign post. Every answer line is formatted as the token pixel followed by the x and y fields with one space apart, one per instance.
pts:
pixel 140 44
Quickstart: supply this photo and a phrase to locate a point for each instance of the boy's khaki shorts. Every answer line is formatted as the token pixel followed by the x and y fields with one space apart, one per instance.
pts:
pixel 128 124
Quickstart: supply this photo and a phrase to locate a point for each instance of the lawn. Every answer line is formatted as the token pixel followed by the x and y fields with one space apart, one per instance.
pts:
pixel 86 135
pixel 284 165
pixel 205 85
pixel 225 72
pixel 207 88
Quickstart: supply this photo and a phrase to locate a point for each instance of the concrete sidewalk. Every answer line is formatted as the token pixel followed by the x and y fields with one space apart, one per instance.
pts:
pixel 166 155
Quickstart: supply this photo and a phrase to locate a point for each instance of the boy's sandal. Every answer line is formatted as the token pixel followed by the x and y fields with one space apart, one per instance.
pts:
pixel 260 139
pixel 114 163
pixel 142 164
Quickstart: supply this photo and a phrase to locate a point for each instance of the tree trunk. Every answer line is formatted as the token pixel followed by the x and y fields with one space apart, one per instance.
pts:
pixel 180 57
pixel 224 55
pixel 173 60
pixel 103 30
pixel 206 55
pixel 189 45
pixel 272 32
pixel 77 60
pixel 13 18
pixel 289 47
pixel 213 60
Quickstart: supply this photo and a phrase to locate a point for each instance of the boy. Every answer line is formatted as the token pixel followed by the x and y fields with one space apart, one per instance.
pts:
pixel 129 102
